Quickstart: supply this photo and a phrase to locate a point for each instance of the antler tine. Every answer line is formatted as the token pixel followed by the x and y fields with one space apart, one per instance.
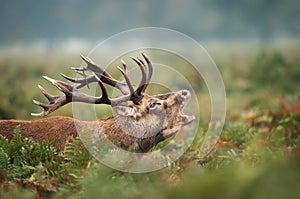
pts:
pixel 54 102
pixel 140 63
pixel 62 86
pixel 96 69
pixel 104 76
pixel 150 70
pixel 40 104
pixel 46 94
pixel 84 81
pixel 69 78
pixel 81 81
pixel 124 73
pixel 79 71
pixel 88 79
pixel 99 72
pixel 103 90
pixel 57 102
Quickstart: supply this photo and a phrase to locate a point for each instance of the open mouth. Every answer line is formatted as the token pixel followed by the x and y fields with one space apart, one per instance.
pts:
pixel 185 97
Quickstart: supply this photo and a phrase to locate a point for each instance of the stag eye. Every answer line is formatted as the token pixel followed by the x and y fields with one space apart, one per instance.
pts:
pixel 154 104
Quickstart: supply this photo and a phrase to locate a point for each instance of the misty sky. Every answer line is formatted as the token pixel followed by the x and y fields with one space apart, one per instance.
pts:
pixel 217 19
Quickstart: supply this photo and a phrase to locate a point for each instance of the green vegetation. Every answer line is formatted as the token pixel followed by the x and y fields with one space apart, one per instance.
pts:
pixel 257 155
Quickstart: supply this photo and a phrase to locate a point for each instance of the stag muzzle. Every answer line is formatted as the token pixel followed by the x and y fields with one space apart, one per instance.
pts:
pixel 183 97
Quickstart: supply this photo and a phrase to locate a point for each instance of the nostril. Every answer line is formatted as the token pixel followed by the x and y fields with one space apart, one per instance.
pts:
pixel 184 92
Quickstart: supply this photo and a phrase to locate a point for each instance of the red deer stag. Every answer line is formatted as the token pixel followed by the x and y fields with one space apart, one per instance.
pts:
pixel 140 120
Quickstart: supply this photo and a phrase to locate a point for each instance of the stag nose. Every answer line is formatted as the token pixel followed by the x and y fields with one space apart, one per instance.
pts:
pixel 183 95
pixel 184 92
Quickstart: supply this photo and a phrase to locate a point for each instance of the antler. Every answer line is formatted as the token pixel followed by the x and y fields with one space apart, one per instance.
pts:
pixel 72 93
pixel 146 77
pixel 100 73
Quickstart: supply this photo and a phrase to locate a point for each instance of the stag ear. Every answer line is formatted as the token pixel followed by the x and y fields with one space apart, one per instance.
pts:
pixel 127 111
pixel 124 111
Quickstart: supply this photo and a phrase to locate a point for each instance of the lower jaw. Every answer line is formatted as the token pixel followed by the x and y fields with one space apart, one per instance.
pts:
pixel 187 119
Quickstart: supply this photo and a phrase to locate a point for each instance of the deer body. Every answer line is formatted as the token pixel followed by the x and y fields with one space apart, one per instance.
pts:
pixel 140 120
pixel 58 129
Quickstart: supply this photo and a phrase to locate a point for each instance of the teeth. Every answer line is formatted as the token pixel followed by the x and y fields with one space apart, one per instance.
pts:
pixel 181 112
pixel 186 119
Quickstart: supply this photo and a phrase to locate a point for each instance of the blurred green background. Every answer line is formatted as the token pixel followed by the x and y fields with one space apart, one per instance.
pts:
pixel 255 44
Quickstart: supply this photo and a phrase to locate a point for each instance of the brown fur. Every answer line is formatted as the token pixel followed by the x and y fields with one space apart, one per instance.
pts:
pixel 53 128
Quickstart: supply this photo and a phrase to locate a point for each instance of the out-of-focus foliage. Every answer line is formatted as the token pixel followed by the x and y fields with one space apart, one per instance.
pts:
pixel 273 71
pixel 18 86
pixel 14 90
pixel 40 167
